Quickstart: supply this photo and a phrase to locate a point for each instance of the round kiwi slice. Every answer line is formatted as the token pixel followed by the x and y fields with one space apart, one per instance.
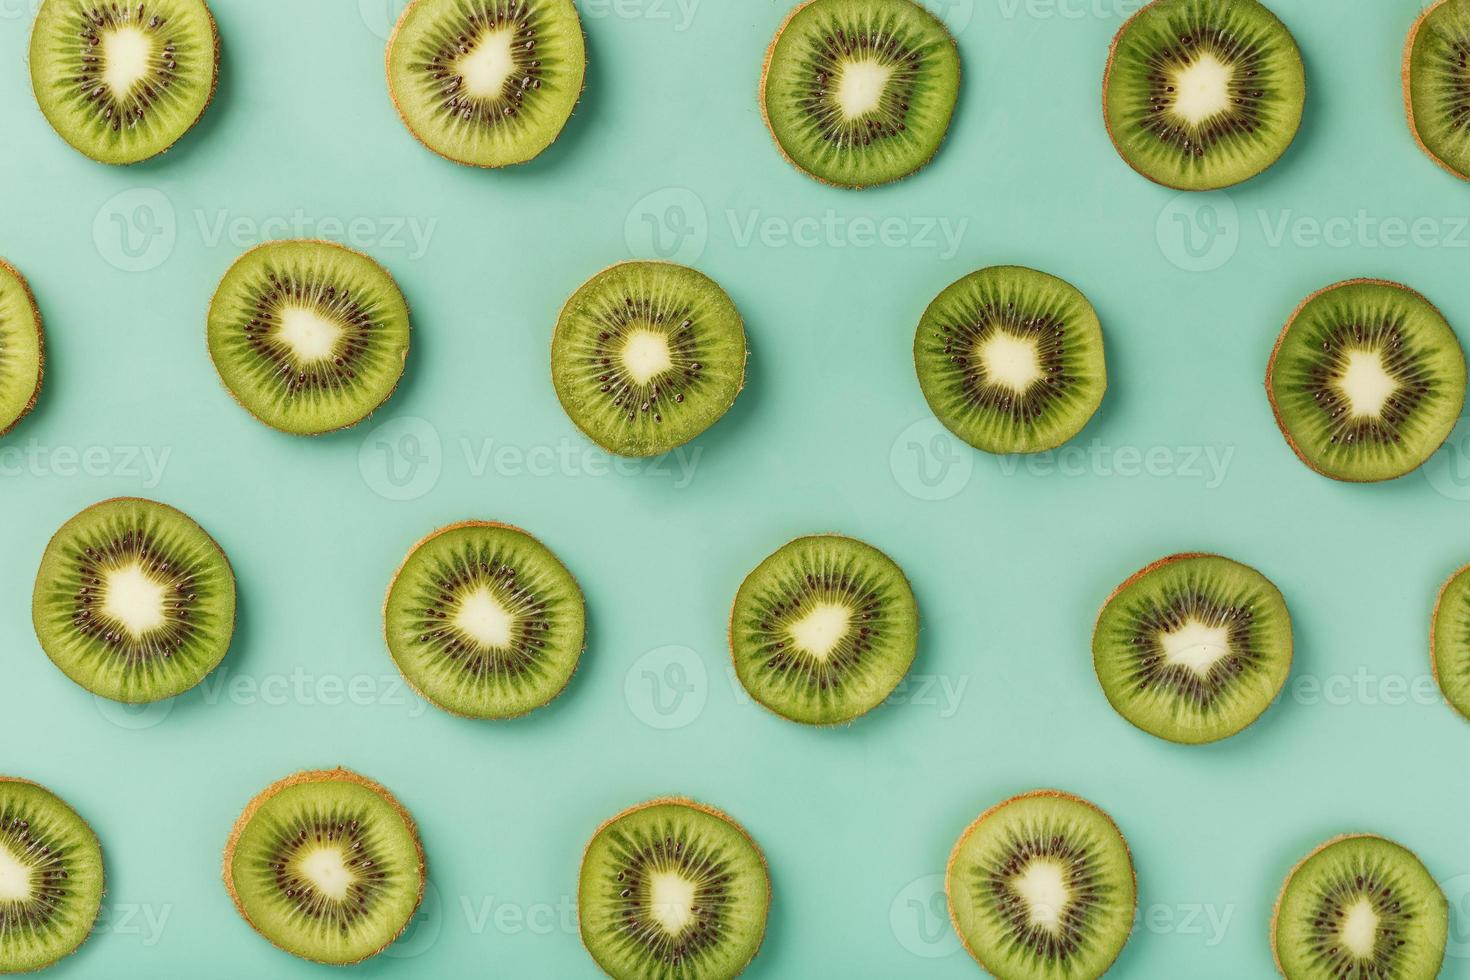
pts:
pixel 308 336
pixel 487 82
pixel 860 92
pixel 1449 641
pixel 134 601
pixel 484 621
pixel 824 629
pixel 1367 380
pixel 1193 648
pixel 326 865
pixel 673 890
pixel 1042 887
pixel 646 356
pixel 50 877
pixel 1437 84
pixel 1358 907
pixel 1202 94
pixel 123 80
pixel 22 348
pixel 1011 360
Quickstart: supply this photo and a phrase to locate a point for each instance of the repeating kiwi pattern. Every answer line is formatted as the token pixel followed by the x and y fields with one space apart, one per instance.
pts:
pixel 136 603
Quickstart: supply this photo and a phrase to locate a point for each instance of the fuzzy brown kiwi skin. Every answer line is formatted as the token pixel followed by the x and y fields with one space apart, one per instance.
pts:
pixel 398 107
pixel 683 801
pixel 765 115
pixel 1051 794
pixel 1409 95
pixel 730 630
pixel 30 298
pixel 1276 350
pixel 101 870
pixel 311 241
pixel 461 525
pixel 338 775
pixel 1433 653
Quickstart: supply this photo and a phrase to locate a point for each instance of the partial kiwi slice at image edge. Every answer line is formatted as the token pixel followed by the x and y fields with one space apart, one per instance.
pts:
pixel 1437 84
pixel 1360 905
pixel 1041 886
pixel 326 865
pixel 123 81
pixel 134 601
pixel 484 621
pixel 672 889
pixel 487 83
pixel 1367 380
pixel 858 93
pixel 57 895
pixel 22 348
pixel 1449 641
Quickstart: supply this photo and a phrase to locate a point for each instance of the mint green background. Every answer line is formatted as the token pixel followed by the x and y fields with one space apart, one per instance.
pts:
pixel 1009 571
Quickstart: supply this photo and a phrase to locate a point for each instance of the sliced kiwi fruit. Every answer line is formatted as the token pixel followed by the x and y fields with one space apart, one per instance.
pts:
pixel 1360 907
pixel 1449 641
pixel 484 621
pixel 22 348
pixel 1193 648
pixel 1041 887
pixel 1203 94
pixel 647 355
pixel 1367 380
pixel 1011 360
pixel 123 80
pixel 673 890
pixel 824 629
pixel 134 601
pixel 1437 84
pixel 488 83
pixel 860 92
pixel 326 865
pixel 308 336
pixel 51 877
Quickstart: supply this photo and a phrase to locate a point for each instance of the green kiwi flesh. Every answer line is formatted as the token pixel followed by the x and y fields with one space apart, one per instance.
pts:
pixel 1041 887
pixel 1449 641
pixel 134 601
pixel 1203 94
pixel 1193 648
pixel 51 867
pixel 1437 84
pixel 646 356
pixel 308 336
pixel 22 348
pixel 326 865
pixel 484 621
pixel 488 83
pixel 1360 907
pixel 824 630
pixel 1011 360
pixel 672 890
pixel 123 80
pixel 1367 380
pixel 860 92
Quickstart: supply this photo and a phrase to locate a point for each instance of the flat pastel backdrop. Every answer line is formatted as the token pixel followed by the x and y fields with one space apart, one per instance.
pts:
pixel 1010 565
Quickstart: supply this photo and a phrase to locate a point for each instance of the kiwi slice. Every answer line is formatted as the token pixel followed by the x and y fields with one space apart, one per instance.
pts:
pixel 1437 84
pixel 1449 641
pixel 326 865
pixel 1202 94
pixel 488 83
pixel 824 629
pixel 309 336
pixel 1041 887
pixel 1193 648
pixel 1011 360
pixel 22 348
pixel 134 601
pixel 860 92
pixel 484 621
pixel 123 80
pixel 1367 380
pixel 646 356
pixel 1360 908
pixel 673 890
pixel 50 877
